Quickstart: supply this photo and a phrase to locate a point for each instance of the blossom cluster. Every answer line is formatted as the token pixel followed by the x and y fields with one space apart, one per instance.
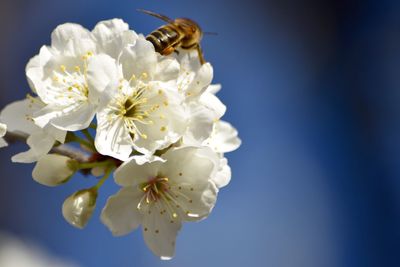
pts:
pixel 152 121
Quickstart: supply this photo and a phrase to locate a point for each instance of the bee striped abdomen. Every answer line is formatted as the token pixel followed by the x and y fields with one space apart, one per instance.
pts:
pixel 164 37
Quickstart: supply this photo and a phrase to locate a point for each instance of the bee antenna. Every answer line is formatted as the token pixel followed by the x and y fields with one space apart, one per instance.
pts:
pixel 160 16
pixel 210 33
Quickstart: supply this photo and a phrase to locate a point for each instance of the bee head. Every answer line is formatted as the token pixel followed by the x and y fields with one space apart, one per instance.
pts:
pixel 191 30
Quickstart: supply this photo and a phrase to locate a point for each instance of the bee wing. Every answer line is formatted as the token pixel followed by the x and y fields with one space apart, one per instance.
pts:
pixel 160 16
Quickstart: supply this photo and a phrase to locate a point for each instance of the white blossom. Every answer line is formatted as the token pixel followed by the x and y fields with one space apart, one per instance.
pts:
pixel 53 169
pixel 158 123
pixel 78 208
pixel 145 111
pixel 59 74
pixel 19 118
pixel 160 196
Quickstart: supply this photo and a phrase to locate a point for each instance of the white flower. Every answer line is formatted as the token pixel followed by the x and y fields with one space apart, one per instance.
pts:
pixel 144 111
pixel 59 74
pixel 53 169
pixel 18 117
pixel 203 106
pixel 79 207
pixel 60 79
pixel 3 131
pixel 160 196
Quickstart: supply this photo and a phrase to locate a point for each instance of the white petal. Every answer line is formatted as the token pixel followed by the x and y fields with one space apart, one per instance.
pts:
pixel 185 160
pixel 202 80
pixel 55 133
pixel 112 138
pixel 224 138
pixel 167 69
pixel 201 122
pixel 70 118
pixel 52 170
pixel 223 175
pixel 160 234
pixel 34 68
pixel 107 30
pixel 71 37
pixel 102 71
pixel 194 78
pixel 120 213
pixel 139 59
pixel 112 36
pixel 40 144
pixel 213 88
pixel 135 171
pixel 18 116
pixel 213 103
pixel 203 198
pixel 192 173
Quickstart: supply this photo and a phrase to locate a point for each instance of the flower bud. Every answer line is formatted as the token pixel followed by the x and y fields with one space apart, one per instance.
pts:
pixel 78 208
pixel 53 169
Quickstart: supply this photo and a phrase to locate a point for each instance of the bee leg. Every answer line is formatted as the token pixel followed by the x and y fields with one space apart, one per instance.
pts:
pixel 200 52
pixel 167 51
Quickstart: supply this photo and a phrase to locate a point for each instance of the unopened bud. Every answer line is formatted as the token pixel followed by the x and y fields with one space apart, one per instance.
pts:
pixel 53 169
pixel 78 208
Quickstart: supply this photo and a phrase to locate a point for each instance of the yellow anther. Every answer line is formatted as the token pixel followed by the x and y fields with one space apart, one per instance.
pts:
pixel 143 136
pixel 165 103
pixel 63 68
pixel 163 128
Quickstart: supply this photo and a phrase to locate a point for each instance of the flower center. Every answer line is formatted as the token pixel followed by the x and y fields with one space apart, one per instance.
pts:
pixel 73 81
pixel 136 109
pixel 166 196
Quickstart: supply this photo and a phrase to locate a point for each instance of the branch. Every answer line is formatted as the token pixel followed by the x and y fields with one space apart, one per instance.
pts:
pixel 65 150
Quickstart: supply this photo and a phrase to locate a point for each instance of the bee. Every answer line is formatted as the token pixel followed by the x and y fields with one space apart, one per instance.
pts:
pixel 178 33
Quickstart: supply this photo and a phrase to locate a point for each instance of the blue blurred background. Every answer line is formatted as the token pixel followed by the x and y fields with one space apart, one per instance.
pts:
pixel 314 90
